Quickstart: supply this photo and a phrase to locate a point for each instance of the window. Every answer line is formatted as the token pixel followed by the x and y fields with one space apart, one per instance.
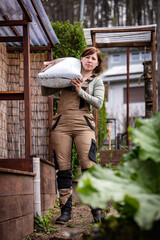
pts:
pixel 116 58
pixel 136 94
pixel 135 56
pixel 146 56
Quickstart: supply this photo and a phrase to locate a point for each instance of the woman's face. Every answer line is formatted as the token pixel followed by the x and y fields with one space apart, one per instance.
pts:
pixel 90 62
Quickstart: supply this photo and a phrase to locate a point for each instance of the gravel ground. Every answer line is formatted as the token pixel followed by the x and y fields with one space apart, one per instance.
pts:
pixel 81 222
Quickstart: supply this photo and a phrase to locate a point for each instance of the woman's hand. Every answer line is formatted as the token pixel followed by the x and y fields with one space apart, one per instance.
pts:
pixel 45 64
pixel 77 83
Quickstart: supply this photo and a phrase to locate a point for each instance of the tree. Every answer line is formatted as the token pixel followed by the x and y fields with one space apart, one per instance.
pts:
pixel 103 13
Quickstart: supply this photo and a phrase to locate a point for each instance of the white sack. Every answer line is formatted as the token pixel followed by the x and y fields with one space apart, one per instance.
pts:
pixel 60 72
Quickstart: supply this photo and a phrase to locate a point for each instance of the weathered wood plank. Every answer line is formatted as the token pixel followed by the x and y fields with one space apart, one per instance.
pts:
pixel 13 22
pixel 123 44
pixel 23 164
pixel 12 95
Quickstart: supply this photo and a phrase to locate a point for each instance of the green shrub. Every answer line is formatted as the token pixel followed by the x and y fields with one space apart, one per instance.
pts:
pixel 71 37
pixel 102 130
pixel 76 173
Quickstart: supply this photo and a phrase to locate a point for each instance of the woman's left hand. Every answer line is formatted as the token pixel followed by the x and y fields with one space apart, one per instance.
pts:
pixel 77 83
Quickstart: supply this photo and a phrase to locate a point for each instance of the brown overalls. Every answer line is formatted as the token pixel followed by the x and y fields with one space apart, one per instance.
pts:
pixel 72 122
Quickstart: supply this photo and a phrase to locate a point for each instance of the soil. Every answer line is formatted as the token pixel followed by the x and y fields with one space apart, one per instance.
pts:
pixel 81 223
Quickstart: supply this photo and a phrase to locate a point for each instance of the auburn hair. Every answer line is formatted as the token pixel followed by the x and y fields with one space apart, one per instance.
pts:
pixel 90 51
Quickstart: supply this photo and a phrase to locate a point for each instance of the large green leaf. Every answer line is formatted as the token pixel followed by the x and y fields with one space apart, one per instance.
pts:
pixel 135 185
pixel 98 186
pixel 147 136
pixel 145 174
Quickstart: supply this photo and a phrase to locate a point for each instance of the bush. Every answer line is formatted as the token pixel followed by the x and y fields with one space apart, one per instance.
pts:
pixel 71 37
pixel 102 130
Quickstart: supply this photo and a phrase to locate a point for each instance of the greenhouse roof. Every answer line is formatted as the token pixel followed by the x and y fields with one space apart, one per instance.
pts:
pixel 41 31
pixel 120 36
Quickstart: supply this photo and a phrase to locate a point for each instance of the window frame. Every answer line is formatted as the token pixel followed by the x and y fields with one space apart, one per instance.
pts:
pixel 112 58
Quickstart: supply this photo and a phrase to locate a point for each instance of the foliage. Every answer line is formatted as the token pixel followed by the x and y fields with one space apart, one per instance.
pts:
pixel 43 223
pixel 102 131
pixel 76 172
pixel 28 238
pixel 135 184
pixel 57 204
pixel 149 131
pixel 55 105
pixel 104 13
pixel 98 157
pixel 71 37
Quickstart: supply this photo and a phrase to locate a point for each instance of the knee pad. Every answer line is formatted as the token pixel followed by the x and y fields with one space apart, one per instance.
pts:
pixel 64 179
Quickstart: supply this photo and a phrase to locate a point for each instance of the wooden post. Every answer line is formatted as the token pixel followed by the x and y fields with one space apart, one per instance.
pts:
pixel 50 112
pixel 154 71
pixel 127 117
pixel 148 89
pixel 109 130
pixel 27 90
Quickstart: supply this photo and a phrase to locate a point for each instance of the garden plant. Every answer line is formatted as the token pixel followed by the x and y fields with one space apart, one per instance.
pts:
pixel 134 186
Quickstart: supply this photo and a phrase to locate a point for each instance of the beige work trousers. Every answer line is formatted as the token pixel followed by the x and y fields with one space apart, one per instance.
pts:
pixel 77 126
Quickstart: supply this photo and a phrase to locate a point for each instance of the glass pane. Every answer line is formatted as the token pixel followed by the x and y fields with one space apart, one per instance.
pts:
pixel 134 56
pixel 146 56
pixel 116 58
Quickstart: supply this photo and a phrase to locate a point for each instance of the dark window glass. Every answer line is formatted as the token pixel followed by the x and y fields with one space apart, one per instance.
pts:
pixel 136 94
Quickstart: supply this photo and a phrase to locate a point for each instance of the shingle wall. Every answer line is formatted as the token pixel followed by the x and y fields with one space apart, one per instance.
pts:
pixel 12 124
pixel 3 104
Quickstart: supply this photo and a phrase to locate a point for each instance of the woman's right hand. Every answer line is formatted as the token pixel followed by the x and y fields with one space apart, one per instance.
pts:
pixel 77 83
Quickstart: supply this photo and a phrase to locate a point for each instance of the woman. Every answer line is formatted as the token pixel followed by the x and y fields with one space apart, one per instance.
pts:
pixel 74 122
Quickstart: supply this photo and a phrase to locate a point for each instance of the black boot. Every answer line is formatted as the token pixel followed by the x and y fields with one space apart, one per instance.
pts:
pixel 97 215
pixel 64 218
pixel 64 179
